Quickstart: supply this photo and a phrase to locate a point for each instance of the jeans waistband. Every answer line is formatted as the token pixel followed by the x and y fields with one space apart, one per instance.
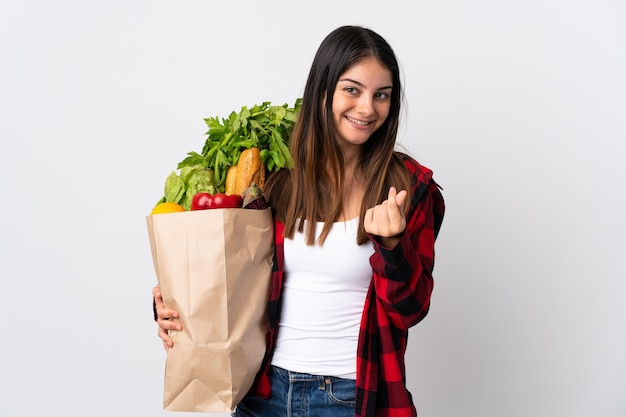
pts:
pixel 297 376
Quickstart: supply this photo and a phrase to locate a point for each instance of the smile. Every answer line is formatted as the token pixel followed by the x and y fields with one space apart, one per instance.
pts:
pixel 357 122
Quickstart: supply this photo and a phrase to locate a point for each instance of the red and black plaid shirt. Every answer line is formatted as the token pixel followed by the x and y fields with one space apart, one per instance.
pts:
pixel 398 298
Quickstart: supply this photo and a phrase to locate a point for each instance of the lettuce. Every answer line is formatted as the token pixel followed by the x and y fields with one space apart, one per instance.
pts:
pixel 181 187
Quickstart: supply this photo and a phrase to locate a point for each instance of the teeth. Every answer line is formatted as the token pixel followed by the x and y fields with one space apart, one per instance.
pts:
pixel 358 122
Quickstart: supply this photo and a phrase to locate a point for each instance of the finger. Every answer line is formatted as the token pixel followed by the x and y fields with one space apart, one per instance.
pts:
pixel 167 341
pixel 395 214
pixel 400 197
pixel 396 197
pixel 158 298
pixel 167 314
pixel 167 324
pixel 396 201
pixel 373 218
pixel 162 312
pixel 392 204
pixel 164 335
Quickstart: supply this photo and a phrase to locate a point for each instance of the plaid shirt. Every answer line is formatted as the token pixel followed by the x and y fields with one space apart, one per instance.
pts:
pixel 398 298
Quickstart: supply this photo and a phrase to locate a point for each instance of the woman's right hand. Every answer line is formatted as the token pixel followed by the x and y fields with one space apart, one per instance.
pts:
pixel 163 319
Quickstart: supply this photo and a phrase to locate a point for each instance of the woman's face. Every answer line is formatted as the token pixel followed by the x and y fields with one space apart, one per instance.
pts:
pixel 361 102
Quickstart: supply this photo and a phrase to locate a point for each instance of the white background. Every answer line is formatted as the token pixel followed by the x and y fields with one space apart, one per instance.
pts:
pixel 518 107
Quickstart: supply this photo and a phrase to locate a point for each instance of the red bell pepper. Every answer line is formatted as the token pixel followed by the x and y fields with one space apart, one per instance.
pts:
pixel 203 201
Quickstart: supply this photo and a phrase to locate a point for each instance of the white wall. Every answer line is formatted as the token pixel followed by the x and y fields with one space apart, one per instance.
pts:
pixel 519 107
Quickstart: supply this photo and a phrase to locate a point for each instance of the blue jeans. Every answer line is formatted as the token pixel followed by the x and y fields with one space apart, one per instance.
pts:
pixel 302 395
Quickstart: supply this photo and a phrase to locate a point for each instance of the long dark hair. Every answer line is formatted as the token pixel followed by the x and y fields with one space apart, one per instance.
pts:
pixel 309 191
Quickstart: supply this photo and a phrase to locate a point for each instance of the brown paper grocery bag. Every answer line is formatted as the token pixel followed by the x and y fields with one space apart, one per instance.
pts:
pixel 214 268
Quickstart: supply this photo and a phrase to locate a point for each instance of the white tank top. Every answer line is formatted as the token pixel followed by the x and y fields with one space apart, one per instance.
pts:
pixel 323 294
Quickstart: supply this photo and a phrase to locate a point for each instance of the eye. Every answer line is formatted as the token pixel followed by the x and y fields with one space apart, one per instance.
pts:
pixel 350 90
pixel 381 96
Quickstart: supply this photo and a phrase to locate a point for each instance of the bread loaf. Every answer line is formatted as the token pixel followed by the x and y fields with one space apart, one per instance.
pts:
pixel 231 178
pixel 249 169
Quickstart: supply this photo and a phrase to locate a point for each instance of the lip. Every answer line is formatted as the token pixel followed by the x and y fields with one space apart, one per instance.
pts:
pixel 361 124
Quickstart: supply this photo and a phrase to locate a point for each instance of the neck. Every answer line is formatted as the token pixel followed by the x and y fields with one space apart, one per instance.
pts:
pixel 353 191
pixel 351 157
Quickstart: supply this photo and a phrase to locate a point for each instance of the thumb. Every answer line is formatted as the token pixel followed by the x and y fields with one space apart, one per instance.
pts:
pixel 400 197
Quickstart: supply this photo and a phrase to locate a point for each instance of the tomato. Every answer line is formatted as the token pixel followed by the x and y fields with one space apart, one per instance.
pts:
pixel 203 201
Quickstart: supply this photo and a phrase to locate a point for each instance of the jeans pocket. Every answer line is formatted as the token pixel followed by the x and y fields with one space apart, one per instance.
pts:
pixel 342 391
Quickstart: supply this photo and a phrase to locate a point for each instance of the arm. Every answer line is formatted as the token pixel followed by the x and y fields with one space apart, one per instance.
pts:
pixel 403 264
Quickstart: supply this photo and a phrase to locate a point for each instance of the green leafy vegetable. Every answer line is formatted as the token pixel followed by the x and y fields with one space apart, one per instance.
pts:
pixel 180 188
pixel 263 126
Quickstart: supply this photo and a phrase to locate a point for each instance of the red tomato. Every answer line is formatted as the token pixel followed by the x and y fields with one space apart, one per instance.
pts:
pixel 203 201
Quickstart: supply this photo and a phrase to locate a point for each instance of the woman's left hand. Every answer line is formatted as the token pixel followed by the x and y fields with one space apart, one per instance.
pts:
pixel 387 220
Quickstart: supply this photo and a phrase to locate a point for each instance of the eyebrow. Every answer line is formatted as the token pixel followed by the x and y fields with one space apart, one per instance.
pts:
pixel 361 84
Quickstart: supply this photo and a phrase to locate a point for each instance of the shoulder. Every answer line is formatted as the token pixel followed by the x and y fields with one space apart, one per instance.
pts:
pixel 419 172
pixel 424 188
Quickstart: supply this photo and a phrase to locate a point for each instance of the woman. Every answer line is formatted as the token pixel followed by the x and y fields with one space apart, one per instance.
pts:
pixel 352 274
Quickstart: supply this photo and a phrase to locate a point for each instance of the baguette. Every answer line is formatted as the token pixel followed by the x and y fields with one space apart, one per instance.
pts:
pixel 231 177
pixel 249 169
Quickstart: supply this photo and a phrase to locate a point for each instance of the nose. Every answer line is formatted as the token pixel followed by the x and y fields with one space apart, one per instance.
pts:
pixel 365 105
